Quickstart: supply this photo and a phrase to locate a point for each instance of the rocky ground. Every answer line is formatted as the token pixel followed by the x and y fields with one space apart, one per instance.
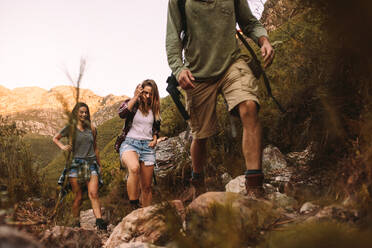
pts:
pixel 287 184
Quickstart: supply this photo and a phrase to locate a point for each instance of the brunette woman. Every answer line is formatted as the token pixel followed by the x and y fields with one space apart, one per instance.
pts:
pixel 85 166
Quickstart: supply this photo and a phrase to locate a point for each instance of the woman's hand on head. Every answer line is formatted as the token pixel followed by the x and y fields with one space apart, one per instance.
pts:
pixel 138 91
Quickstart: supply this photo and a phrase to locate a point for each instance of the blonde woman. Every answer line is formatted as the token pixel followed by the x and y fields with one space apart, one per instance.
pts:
pixel 137 152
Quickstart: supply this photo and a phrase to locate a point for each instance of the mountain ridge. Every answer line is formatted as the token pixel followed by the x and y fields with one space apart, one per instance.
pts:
pixel 42 111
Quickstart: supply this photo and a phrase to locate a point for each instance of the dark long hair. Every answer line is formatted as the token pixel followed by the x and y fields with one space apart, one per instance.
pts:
pixel 75 112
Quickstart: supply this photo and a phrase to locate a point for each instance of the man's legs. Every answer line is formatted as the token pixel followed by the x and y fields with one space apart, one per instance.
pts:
pixel 240 89
pixel 201 104
pixel 198 151
pixel 251 140
pixel 252 147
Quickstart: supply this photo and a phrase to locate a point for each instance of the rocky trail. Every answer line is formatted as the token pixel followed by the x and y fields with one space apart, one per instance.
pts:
pixel 288 182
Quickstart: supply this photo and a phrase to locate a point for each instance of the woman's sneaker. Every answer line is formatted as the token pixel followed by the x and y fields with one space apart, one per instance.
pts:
pixel 135 204
pixel 101 225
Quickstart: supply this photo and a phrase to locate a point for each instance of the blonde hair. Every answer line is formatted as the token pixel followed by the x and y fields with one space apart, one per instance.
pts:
pixel 155 100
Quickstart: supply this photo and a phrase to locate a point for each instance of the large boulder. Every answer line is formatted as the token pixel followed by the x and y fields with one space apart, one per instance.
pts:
pixel 245 209
pixel 137 245
pixel 167 153
pixel 12 238
pixel 143 225
pixel 61 236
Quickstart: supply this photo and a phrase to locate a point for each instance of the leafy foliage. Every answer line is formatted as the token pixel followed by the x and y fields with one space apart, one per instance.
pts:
pixel 17 175
pixel 42 148
pixel 172 122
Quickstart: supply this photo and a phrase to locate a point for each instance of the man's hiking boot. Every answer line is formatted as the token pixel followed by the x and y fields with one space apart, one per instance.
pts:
pixel 253 185
pixel 101 225
pixel 196 188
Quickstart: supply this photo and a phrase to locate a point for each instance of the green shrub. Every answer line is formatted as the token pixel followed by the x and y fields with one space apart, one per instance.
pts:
pixel 17 174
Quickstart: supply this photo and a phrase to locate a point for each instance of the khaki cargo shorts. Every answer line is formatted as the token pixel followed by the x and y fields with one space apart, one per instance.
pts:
pixel 237 85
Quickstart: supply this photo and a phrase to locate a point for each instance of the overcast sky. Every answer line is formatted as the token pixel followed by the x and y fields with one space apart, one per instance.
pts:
pixel 123 42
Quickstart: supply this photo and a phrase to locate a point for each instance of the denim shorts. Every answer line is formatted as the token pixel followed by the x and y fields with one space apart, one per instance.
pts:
pixel 76 162
pixel 145 153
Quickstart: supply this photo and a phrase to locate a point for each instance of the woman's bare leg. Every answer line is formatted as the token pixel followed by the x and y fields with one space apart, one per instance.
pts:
pixel 93 195
pixel 146 181
pixel 130 159
pixel 78 195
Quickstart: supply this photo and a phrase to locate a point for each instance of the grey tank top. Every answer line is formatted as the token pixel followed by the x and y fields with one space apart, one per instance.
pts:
pixel 83 147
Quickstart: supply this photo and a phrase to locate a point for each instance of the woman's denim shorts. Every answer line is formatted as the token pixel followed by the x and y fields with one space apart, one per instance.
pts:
pixel 76 162
pixel 145 153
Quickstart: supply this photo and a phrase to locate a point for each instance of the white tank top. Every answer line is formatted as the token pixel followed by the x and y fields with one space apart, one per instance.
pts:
pixel 141 126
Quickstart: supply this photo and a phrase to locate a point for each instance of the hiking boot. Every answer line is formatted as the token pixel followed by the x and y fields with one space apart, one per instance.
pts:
pixel 196 188
pixel 101 225
pixel 253 185
pixel 135 204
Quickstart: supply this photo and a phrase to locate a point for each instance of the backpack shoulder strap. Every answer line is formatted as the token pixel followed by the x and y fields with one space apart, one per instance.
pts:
pixel 236 7
pixel 181 7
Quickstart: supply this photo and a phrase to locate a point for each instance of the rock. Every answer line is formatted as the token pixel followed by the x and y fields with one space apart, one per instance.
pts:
pixel 302 158
pixel 142 225
pixel 88 220
pixel 308 207
pixel 237 185
pixel 61 236
pixel 275 168
pixel 246 209
pixel 167 152
pixel 283 201
pixel 335 212
pixel 137 245
pixel 226 178
pixel 12 238
pixel 110 228
pixel 269 189
pixel 273 160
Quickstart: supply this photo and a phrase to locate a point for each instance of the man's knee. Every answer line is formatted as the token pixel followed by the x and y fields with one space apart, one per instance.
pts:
pixel 248 110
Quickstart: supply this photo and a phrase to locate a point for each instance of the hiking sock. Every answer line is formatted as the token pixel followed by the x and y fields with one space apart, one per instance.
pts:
pixel 250 172
pixel 100 223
